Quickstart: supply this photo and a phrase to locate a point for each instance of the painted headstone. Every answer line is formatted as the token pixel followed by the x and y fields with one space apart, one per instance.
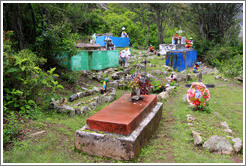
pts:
pixel 198 94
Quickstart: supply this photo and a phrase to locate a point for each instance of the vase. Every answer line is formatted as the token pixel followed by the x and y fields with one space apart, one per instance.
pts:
pixel 138 92
pixel 133 91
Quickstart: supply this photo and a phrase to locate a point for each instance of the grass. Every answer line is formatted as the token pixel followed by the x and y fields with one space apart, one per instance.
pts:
pixel 172 141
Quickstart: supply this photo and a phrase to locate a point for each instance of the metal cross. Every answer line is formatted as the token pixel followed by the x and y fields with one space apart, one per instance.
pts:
pixel 200 80
pixel 145 63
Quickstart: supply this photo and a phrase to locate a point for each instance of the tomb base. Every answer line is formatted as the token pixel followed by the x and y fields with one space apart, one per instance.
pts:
pixel 118 146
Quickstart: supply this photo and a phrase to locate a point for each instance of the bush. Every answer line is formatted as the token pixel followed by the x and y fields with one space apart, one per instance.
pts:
pixel 228 59
pixel 135 45
pixel 24 84
pixel 55 40
pixel 232 67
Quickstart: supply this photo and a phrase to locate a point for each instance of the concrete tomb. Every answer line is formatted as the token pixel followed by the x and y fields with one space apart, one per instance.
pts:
pixel 121 129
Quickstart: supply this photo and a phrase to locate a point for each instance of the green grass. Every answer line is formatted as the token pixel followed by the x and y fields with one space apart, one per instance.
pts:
pixel 172 141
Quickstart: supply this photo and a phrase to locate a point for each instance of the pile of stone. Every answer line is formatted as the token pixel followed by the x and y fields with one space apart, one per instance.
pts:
pixel 215 144
pixel 221 78
pixel 61 107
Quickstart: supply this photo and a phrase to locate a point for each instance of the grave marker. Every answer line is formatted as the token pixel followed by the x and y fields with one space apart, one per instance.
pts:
pixel 121 129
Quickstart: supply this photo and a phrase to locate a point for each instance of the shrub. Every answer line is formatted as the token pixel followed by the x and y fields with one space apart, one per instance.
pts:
pixel 135 45
pixel 55 40
pixel 24 84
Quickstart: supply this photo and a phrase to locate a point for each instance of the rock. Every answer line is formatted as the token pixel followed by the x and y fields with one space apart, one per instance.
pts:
pixel 189 115
pixel 84 109
pixel 224 125
pixel 62 101
pixel 53 103
pixel 99 77
pixel 190 119
pixel 216 71
pixel 110 70
pixel 237 144
pixel 82 94
pixel 190 124
pixel 72 113
pixel 77 111
pixel 64 109
pixel 113 95
pixel 90 92
pixel 225 79
pixel 152 65
pixel 113 84
pixel 83 88
pixel 167 68
pixel 170 89
pixel 197 138
pixel 157 72
pixel 108 99
pixel 96 89
pixel 239 79
pixel 182 78
pixel 163 95
pixel 73 97
pixel 84 73
pixel 116 75
pixel 188 77
pixel 93 105
pixel 140 66
pixel 165 73
pixel 150 76
pixel 127 71
pixel 219 145
pixel 100 99
pixel 113 90
pixel 218 77
pixel 38 133
pixel 228 131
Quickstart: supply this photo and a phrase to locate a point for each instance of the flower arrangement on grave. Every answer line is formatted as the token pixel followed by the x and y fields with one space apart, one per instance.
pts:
pixel 137 84
pixel 198 94
pixel 171 79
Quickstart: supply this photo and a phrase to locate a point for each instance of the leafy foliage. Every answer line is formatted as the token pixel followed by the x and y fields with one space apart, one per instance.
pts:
pixel 23 82
pixel 56 40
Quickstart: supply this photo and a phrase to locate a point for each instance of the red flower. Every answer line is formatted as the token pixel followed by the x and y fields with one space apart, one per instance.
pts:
pixel 205 97
pixel 196 102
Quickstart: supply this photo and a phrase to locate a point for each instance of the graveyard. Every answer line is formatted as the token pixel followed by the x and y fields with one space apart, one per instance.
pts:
pixel 123 83
pixel 53 136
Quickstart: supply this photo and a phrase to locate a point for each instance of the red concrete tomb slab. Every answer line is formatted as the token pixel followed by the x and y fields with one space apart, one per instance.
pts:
pixel 122 116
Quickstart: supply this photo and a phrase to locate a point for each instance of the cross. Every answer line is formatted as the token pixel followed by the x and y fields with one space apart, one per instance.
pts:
pixel 200 80
pixel 145 63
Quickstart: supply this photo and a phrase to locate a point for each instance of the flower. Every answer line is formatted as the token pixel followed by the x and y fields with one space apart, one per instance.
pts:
pixel 196 102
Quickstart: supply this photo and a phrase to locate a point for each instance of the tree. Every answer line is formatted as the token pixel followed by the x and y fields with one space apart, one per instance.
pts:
pixel 214 19
pixel 161 18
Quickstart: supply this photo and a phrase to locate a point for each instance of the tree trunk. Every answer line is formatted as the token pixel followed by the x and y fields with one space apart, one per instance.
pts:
pixel 147 40
pixel 33 19
pixel 159 26
pixel 19 27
